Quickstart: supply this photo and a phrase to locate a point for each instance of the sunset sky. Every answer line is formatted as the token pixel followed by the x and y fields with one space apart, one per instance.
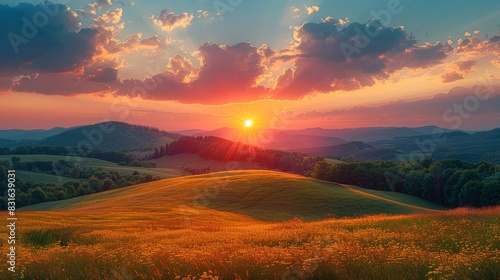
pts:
pixel 203 64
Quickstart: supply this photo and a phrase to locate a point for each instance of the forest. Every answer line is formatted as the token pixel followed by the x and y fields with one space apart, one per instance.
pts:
pixel 449 182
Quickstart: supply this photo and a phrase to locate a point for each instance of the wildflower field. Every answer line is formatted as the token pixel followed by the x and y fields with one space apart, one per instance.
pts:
pixel 84 239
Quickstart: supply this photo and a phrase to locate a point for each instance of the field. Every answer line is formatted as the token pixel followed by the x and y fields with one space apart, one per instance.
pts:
pixel 195 161
pixel 95 164
pixel 242 225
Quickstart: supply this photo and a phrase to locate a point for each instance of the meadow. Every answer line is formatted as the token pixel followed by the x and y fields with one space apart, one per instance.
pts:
pixel 155 231
pixel 89 163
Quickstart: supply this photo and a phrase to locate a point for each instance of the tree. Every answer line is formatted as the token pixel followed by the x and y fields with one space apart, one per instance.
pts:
pixel 38 195
pixel 106 184
pixel 15 160
pixel 321 169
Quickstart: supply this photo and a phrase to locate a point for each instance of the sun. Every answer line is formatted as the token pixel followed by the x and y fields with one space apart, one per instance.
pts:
pixel 248 123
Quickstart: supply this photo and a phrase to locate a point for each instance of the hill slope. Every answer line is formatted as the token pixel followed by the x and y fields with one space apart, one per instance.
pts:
pixel 112 136
pixel 262 195
pixel 352 150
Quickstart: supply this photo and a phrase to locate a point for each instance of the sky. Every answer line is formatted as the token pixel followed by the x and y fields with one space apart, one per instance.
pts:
pixel 283 64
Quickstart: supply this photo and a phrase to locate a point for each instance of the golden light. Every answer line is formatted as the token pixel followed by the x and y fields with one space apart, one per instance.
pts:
pixel 248 123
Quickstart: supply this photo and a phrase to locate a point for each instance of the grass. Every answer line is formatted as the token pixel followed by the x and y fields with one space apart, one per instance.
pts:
pixel 456 244
pixel 196 161
pixel 237 225
pixel 97 163
pixel 45 178
pixel 259 194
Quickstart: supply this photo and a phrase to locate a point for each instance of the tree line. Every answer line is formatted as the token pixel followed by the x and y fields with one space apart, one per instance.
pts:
pixel 112 156
pixel 220 149
pixel 449 182
pixel 87 181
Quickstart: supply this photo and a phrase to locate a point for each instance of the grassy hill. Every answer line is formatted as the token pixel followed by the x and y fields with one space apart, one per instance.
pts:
pixel 196 161
pixel 258 194
pixel 168 230
pixel 116 136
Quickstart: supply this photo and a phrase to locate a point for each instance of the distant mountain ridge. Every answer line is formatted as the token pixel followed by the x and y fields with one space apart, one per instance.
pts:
pixel 369 134
pixel 354 150
pixel 36 134
pixel 119 136
pixel 274 139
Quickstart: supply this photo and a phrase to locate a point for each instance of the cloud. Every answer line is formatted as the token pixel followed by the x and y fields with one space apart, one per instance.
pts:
pixel 312 9
pixel 451 77
pixel 202 14
pixel 465 66
pixel 495 62
pixel 103 75
pixel 227 74
pixel 67 84
pixel 333 55
pixel 437 110
pixel 5 83
pixel 110 17
pixel 94 7
pixel 168 21
pixel 58 46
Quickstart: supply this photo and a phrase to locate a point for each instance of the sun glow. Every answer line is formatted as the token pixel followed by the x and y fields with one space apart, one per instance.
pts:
pixel 248 123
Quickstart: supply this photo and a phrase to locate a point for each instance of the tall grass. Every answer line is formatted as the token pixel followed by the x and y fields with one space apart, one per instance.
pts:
pixel 455 244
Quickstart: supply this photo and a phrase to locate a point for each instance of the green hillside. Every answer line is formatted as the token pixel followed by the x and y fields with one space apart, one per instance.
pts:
pixel 262 195
pixel 90 163
pixel 112 136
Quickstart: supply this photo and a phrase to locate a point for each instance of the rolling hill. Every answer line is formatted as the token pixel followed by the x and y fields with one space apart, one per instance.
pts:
pixel 354 150
pixel 273 139
pixel 255 194
pixel 368 134
pixel 112 136
pixel 459 145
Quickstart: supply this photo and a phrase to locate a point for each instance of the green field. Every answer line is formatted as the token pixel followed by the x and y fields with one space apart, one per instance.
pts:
pixel 195 161
pixel 95 164
pixel 259 194
pixel 35 177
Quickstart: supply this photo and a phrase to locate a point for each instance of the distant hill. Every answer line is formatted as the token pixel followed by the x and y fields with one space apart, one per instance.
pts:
pixel 119 137
pixel 367 134
pixel 261 195
pixel 475 147
pixel 469 147
pixel 354 150
pixel 274 139
pixel 36 134
pixel 190 132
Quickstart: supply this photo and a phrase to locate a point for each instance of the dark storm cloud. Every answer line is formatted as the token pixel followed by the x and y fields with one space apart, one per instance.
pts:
pixel 58 84
pixel 336 57
pixel 43 38
pixel 103 75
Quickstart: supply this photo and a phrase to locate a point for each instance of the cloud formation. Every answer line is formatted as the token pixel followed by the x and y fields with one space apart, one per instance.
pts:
pixel 332 55
pixel 52 41
pixel 479 104
pixel 169 21
pixel 312 9
pixel 227 74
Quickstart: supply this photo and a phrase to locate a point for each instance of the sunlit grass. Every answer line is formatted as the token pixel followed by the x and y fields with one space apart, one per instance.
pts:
pixel 142 232
pixel 456 244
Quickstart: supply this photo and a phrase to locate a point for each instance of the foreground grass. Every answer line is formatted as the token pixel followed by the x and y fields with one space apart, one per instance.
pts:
pixel 454 244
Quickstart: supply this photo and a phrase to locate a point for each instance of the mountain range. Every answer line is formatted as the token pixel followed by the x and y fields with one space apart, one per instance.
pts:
pixel 373 143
